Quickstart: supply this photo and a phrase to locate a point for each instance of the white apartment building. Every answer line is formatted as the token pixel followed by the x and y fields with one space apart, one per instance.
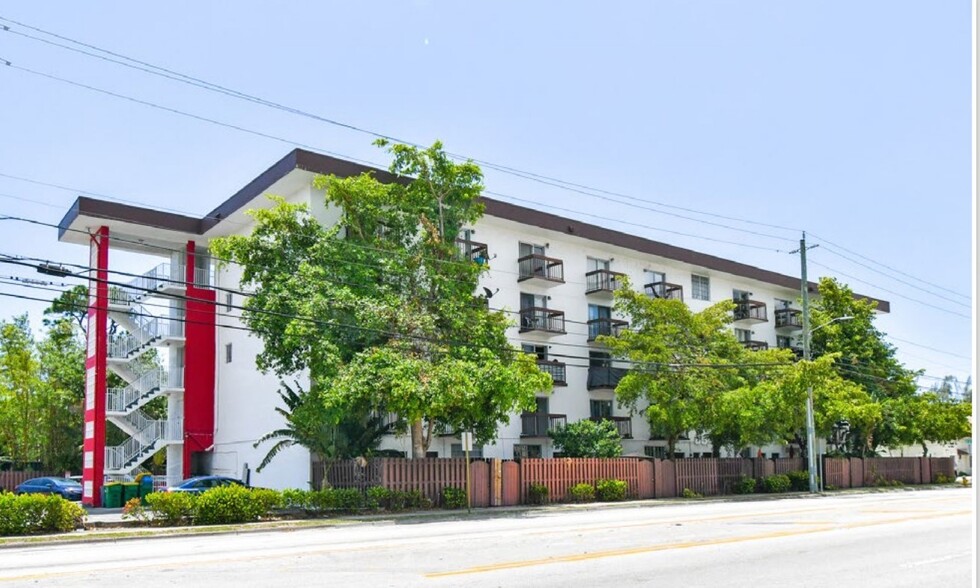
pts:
pixel 554 275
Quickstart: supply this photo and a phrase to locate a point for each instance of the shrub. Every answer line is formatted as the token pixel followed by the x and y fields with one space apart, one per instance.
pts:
pixel 744 485
pixel 347 499
pixel 37 513
pixel 588 438
pixel 537 494
pixel 453 497
pixel 799 480
pixel 777 483
pixel 229 504
pixel 133 509
pixel 295 499
pixel 941 479
pixel 269 500
pixel 688 493
pixel 376 498
pixel 611 490
pixel 171 508
pixel 581 493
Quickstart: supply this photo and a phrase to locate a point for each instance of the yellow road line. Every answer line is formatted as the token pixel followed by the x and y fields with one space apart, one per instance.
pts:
pixel 672 546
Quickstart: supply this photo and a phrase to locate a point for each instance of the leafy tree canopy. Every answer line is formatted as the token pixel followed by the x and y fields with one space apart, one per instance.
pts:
pixel 379 307
pixel 588 438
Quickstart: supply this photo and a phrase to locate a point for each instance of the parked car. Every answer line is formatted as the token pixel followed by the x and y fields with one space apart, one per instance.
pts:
pixel 64 487
pixel 201 484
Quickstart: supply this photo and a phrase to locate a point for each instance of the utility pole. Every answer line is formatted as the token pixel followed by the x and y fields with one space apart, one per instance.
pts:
pixel 811 434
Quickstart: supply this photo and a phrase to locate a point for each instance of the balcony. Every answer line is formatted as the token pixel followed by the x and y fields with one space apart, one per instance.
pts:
pixel 604 378
pixel 755 345
pixel 603 281
pixel 543 320
pixel 665 290
pixel 555 369
pixel 789 318
pixel 623 424
pixel 546 270
pixel 751 311
pixel 474 251
pixel 537 424
pixel 606 326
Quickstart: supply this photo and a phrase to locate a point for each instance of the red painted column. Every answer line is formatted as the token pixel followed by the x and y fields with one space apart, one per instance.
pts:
pixel 199 366
pixel 93 446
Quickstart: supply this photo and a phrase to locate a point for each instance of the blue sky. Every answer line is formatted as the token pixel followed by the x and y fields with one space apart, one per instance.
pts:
pixel 849 120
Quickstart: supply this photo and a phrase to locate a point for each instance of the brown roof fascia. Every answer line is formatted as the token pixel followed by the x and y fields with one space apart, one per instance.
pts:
pixel 326 164
pixel 138 215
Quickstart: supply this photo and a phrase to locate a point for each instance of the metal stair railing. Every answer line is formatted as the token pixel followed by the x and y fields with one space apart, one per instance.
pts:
pixel 149 329
pixel 149 383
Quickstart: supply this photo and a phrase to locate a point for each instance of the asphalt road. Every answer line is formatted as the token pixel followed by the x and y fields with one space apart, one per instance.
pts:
pixel 919 539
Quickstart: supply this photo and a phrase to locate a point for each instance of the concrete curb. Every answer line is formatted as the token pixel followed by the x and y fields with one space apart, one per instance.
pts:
pixel 107 531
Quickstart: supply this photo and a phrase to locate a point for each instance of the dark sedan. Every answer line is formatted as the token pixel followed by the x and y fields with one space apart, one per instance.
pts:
pixel 64 487
pixel 201 484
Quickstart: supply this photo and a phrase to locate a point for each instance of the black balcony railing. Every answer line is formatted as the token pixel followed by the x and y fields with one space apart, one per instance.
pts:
pixel 789 318
pixel 623 424
pixel 750 310
pixel 536 266
pixel 555 369
pixel 537 424
pixel 545 320
pixel 606 326
pixel 665 290
pixel 602 280
pixel 755 345
pixel 474 251
pixel 604 377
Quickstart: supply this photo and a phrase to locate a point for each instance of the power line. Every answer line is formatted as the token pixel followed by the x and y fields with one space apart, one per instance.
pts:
pixel 900 295
pixel 897 271
pixel 152 69
pixel 940 351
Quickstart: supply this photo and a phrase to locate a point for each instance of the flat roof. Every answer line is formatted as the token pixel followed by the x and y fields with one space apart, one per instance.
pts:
pixel 181 227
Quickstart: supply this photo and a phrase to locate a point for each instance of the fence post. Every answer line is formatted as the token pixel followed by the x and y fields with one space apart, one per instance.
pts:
pixel 496 482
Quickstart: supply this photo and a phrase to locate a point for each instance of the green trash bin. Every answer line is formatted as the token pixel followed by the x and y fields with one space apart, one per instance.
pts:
pixel 130 490
pixel 113 495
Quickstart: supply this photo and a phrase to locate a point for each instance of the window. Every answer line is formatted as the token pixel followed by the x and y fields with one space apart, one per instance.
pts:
pixel 700 287
pixel 600 359
pixel 600 409
pixel 740 295
pixel 782 342
pixel 228 353
pixel 432 454
pixel 743 335
pixel 528 451
pixel 228 299
pixel 592 264
pixel 539 351
pixel 457 451
pixel 599 312
pixel 780 303
pixel 533 301
pixel 525 249
pixel 654 451
pixel 652 277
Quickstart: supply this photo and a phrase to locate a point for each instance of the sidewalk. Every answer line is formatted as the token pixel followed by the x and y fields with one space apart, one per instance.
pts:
pixel 107 524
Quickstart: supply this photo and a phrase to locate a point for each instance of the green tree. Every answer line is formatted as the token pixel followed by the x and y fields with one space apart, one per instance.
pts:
pixel 864 358
pixel 62 372
pixel 676 375
pixel 588 438
pixel 379 308
pixel 20 401
pixel 308 424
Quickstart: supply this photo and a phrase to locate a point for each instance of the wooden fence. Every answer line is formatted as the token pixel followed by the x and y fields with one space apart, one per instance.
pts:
pixel 496 482
pixel 854 472
pixel 10 479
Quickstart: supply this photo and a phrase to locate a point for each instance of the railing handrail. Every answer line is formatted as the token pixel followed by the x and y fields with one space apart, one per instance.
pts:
pixel 541 309
pixel 551 260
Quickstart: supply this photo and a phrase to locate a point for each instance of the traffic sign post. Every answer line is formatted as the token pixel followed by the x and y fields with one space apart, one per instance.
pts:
pixel 466 438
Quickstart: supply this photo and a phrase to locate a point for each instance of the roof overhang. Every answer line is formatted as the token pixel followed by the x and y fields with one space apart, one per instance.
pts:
pixel 299 167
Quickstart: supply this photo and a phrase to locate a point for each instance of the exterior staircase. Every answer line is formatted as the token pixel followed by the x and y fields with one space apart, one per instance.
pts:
pixel 144 331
